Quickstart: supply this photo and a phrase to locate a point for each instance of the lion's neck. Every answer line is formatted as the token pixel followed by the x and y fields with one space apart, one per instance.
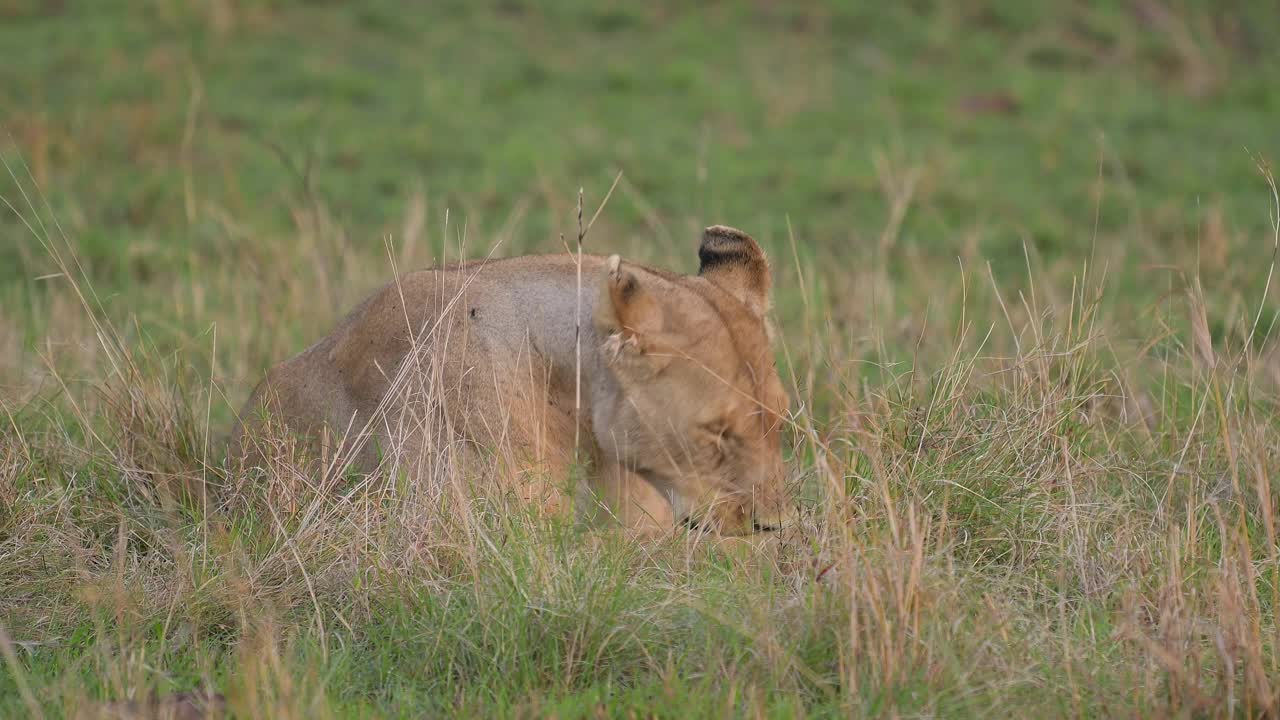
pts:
pixel 542 307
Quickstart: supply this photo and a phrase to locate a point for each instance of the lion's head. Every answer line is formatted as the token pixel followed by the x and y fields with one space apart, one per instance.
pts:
pixel 701 408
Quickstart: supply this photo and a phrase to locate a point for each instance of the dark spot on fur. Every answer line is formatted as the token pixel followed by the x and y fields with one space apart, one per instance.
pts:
pixel 628 287
pixel 695 525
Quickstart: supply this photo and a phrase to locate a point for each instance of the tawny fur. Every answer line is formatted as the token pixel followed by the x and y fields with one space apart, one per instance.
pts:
pixel 681 404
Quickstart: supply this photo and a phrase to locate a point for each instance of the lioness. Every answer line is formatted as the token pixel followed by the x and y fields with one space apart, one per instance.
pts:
pixel 681 404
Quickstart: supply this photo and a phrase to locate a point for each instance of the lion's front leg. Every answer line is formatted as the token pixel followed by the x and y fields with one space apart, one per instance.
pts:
pixel 635 503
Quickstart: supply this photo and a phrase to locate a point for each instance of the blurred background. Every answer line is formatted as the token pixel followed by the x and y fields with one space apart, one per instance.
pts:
pixel 1022 256
pixel 921 140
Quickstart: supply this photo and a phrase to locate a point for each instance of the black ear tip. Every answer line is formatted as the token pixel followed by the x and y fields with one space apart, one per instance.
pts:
pixel 725 240
pixel 723 245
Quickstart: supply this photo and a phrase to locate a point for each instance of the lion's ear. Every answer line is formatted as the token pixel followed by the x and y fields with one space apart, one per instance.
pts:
pixel 628 314
pixel 731 259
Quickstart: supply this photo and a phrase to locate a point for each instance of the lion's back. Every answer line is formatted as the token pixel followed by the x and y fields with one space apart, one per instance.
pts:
pixel 481 337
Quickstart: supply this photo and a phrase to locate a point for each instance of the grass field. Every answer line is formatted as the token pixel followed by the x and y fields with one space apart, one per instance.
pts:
pixel 1023 260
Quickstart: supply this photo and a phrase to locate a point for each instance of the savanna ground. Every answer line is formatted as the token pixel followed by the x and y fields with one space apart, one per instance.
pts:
pixel 1023 259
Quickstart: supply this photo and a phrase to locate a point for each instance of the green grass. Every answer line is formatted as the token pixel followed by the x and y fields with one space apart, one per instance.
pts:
pixel 1019 251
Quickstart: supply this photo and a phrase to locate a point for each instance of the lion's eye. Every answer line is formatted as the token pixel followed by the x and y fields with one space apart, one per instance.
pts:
pixel 714 434
pixel 713 429
pixel 719 438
